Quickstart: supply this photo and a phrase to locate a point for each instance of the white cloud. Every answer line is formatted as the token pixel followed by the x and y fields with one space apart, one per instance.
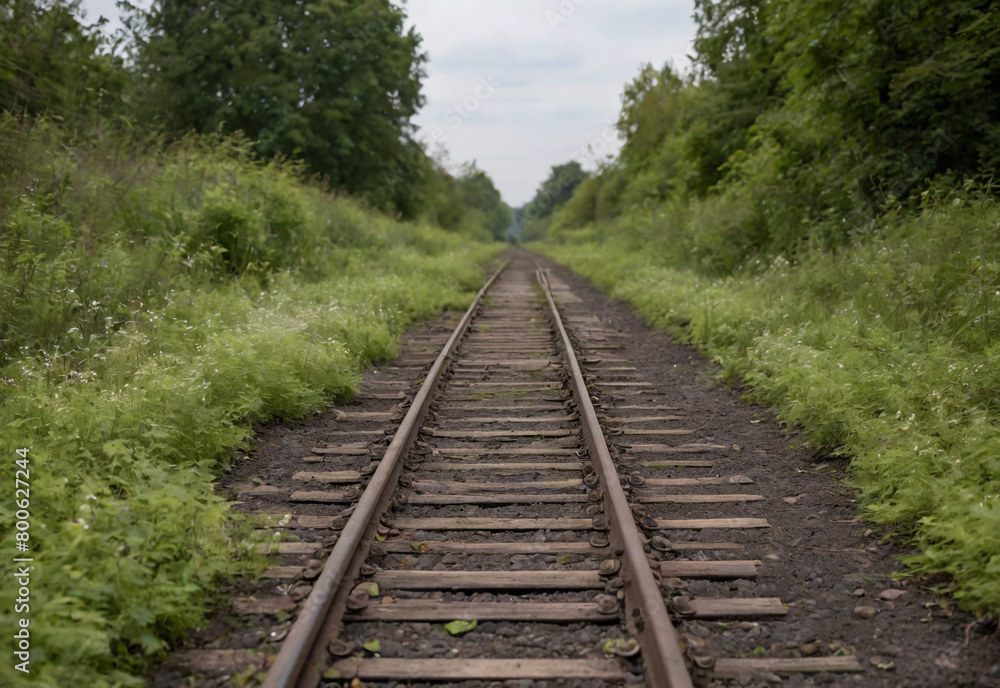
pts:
pixel 561 75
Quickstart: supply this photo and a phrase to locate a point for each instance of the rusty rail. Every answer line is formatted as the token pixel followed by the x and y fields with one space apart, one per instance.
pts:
pixel 645 613
pixel 291 667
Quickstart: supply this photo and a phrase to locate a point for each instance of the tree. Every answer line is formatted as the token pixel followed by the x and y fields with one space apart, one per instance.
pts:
pixel 650 112
pixel 478 193
pixel 557 189
pixel 915 85
pixel 733 60
pixel 551 195
pixel 333 82
pixel 52 64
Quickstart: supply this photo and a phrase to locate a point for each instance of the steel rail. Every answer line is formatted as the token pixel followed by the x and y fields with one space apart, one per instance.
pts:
pixel 287 670
pixel 645 613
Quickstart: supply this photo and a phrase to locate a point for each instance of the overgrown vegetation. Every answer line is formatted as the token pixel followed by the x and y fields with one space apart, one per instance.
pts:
pixel 813 206
pixel 154 306
pixel 161 291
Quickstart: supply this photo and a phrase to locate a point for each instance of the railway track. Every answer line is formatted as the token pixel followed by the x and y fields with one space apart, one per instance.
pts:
pixel 524 523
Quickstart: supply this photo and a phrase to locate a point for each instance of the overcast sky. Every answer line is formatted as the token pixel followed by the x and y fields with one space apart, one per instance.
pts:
pixel 522 85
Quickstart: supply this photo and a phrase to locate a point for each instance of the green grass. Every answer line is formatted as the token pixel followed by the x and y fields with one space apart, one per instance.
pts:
pixel 887 352
pixel 154 306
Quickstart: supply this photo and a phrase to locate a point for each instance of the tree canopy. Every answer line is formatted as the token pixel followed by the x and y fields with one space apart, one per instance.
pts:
pixel 333 82
pixel 479 194
pixel 803 122
pixel 52 65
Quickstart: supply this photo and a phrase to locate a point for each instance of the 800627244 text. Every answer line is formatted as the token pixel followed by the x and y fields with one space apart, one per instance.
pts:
pixel 22 561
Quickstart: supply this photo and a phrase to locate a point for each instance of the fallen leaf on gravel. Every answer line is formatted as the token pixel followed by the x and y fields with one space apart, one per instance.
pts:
pixel 373 645
pixel 629 648
pixel 879 663
pixel 372 590
pixel 737 447
pixel 610 645
pixel 460 627
pixel 891 594
pixel 793 500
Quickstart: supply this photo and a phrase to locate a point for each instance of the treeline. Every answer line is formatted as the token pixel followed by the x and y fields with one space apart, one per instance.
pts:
pixel 801 123
pixel 333 85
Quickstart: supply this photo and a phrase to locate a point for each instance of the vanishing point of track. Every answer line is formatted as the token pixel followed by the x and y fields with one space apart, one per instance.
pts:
pixel 501 464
